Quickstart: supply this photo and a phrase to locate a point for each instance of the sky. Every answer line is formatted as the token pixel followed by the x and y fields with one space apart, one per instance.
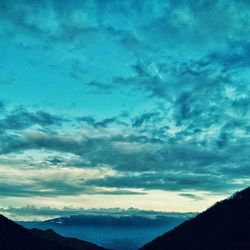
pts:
pixel 119 104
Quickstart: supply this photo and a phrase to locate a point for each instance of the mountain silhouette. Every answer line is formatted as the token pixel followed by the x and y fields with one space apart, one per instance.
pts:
pixel 224 226
pixel 16 237
pixel 113 229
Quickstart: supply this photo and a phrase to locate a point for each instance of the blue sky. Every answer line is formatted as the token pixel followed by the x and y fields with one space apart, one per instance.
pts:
pixel 123 101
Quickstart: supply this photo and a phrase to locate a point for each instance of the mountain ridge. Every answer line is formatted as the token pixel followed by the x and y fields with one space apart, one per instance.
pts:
pixel 120 231
pixel 225 225
pixel 16 237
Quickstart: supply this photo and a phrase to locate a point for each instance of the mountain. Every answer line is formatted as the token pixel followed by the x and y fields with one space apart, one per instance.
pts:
pixel 224 226
pixel 116 230
pixel 16 237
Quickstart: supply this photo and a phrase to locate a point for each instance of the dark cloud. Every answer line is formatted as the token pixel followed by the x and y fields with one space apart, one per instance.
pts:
pixel 138 121
pixel 17 190
pixel 191 196
pixel 100 86
pixel 236 56
pixel 38 140
pixel 120 191
pixel 41 188
pixel 2 106
pixel 97 124
pixel 19 119
pixel 169 181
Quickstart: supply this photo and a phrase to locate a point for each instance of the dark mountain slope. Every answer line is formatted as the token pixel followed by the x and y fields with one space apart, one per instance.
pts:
pixel 224 226
pixel 70 242
pixel 15 237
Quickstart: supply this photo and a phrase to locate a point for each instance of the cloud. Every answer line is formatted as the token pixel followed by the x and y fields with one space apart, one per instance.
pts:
pixel 2 106
pixel 138 121
pixel 47 21
pixel 100 216
pixel 169 181
pixel 191 196
pixel 96 124
pixel 140 158
pixel 21 118
pixel 99 86
pixel 33 181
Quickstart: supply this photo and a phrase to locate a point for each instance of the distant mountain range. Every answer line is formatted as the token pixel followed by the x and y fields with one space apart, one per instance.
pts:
pixel 121 230
pixel 224 226
pixel 16 237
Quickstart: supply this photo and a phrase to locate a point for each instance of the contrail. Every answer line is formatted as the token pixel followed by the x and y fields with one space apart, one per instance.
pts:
pixel 136 35
pixel 157 71
pixel 133 29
